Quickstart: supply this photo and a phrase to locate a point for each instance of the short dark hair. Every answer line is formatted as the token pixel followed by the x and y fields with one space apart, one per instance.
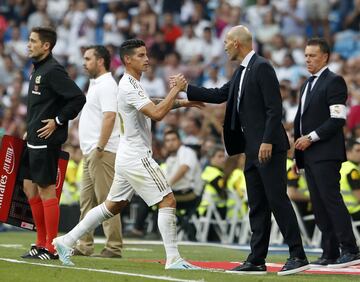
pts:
pixel 46 34
pixel 322 43
pixel 172 131
pixel 207 28
pixel 351 143
pixel 101 52
pixel 128 46
pixel 216 148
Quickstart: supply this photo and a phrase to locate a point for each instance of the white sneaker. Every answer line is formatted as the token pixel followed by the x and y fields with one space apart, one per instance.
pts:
pixel 63 251
pixel 182 264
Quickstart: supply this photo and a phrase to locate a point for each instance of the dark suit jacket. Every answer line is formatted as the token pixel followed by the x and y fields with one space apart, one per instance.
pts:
pixel 330 89
pixel 259 117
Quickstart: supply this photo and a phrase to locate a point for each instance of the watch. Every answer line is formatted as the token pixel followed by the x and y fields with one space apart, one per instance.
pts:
pixel 99 148
pixel 309 138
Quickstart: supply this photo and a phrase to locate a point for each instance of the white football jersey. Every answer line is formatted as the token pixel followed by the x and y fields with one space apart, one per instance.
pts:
pixel 135 127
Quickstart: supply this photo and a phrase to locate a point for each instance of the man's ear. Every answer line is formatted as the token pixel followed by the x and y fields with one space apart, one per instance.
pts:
pixel 102 61
pixel 127 59
pixel 47 45
pixel 236 43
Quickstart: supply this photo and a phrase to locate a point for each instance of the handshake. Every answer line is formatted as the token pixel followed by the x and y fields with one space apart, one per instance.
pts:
pixel 178 81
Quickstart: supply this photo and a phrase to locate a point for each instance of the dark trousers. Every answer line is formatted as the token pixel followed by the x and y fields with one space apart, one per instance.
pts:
pixel 331 214
pixel 266 188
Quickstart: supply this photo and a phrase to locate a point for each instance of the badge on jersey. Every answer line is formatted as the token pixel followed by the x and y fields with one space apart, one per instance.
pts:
pixel 36 90
pixel 141 94
pixel 38 79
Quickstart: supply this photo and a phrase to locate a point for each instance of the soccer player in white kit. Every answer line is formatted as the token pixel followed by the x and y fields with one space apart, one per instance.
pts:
pixel 135 169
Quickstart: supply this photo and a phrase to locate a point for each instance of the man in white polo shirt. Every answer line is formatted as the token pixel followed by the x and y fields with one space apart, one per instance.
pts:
pixel 99 134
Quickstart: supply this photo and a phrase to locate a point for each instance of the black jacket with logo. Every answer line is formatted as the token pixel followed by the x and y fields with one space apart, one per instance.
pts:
pixel 51 94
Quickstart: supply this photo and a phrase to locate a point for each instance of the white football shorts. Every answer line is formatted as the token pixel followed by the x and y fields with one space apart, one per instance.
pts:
pixel 140 175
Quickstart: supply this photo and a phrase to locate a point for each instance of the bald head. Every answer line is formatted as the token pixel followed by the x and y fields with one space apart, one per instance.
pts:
pixel 242 34
pixel 238 42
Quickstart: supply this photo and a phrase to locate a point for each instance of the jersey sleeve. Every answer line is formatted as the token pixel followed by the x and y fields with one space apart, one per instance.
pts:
pixel 62 85
pixel 137 98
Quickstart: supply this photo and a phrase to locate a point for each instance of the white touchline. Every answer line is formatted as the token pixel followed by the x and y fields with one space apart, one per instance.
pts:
pixel 138 249
pixel 103 271
pixel 15 246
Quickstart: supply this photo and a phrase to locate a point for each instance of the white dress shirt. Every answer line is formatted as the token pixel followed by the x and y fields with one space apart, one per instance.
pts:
pixel 244 63
pixel 313 135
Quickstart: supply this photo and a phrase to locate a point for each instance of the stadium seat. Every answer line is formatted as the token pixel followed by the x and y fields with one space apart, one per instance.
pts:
pixel 307 238
pixel 212 217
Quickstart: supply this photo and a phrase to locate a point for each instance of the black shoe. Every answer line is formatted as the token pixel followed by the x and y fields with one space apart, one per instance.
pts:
pixel 44 254
pixel 294 265
pixel 32 253
pixel 248 268
pixel 322 262
pixel 345 260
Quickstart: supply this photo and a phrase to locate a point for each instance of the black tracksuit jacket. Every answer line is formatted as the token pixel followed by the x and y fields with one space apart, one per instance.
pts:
pixel 51 94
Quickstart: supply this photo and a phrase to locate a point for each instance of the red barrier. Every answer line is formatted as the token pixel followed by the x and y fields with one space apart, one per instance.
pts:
pixel 10 154
pixel 14 207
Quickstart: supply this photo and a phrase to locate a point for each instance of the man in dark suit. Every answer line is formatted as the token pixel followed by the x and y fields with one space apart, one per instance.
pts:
pixel 320 150
pixel 253 125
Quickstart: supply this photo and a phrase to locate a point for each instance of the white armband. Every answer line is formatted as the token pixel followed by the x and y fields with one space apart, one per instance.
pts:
pixel 338 111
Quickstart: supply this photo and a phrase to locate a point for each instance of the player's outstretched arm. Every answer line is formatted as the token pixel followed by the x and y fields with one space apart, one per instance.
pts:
pixel 178 103
pixel 158 111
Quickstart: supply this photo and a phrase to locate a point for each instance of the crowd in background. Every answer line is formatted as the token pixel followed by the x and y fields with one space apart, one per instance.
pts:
pixel 182 36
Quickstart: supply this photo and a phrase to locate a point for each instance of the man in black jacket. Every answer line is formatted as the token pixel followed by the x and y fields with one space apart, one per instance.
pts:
pixel 53 100
pixel 320 149
pixel 253 125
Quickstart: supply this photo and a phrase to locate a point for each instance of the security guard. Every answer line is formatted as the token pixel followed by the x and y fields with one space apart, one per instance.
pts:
pixel 236 183
pixel 350 179
pixel 297 188
pixel 70 193
pixel 215 188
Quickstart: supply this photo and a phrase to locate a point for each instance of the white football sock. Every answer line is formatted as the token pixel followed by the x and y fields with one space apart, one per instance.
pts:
pixel 92 219
pixel 167 228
